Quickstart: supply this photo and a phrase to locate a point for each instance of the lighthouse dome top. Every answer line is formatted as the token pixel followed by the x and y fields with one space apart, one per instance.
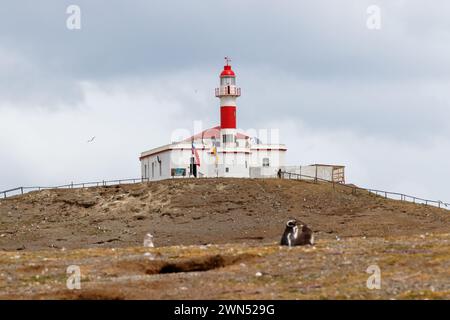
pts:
pixel 227 72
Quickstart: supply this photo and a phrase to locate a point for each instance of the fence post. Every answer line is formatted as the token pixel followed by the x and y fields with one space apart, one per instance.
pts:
pixel 385 195
pixel 21 190
pixel 4 195
pixel 315 178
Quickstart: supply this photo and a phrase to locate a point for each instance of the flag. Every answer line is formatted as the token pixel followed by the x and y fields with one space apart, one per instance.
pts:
pixel 195 154
pixel 214 152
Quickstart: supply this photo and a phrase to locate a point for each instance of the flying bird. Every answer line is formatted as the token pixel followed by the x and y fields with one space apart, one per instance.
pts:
pixel 91 140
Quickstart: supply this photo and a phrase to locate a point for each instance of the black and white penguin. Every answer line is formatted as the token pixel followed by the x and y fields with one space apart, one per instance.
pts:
pixel 290 233
pixel 297 235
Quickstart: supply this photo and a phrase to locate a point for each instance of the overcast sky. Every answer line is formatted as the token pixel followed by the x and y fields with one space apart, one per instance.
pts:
pixel 377 101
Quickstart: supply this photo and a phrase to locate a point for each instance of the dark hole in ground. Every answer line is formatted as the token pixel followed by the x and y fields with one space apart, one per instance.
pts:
pixel 194 264
pixel 203 264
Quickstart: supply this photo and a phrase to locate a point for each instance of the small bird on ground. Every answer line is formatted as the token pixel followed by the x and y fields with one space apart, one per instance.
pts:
pixel 148 241
pixel 297 235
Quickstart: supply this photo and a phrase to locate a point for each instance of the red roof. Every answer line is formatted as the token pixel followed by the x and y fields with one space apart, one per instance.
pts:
pixel 213 132
pixel 227 72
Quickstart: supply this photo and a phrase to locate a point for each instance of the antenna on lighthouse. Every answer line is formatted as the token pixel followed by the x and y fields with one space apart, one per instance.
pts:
pixel 227 60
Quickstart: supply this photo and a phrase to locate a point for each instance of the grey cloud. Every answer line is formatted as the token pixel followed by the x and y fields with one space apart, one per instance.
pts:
pixel 313 63
pixel 311 39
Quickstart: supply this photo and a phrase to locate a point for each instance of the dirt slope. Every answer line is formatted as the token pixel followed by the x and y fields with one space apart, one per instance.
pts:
pixel 203 211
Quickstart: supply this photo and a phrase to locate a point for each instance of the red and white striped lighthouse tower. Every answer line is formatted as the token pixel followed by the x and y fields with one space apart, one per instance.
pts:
pixel 228 92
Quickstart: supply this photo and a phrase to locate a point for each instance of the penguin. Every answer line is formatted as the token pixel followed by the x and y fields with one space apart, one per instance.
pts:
pixel 290 233
pixel 297 235
pixel 306 236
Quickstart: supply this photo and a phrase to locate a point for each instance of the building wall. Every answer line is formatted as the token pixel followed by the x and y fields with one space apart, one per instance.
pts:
pixel 275 157
pixel 235 162
pixel 153 170
pixel 181 158
pixel 309 172
pixel 263 172
pixel 234 165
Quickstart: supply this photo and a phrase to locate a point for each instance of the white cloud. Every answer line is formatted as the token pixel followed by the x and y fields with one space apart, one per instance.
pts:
pixel 41 146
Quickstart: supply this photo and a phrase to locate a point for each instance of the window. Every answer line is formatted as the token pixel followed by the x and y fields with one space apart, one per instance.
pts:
pixel 227 169
pixel 153 169
pixel 145 171
pixel 266 162
pixel 160 168
pixel 178 172
pixel 246 164
pixel 228 138
pixel 227 81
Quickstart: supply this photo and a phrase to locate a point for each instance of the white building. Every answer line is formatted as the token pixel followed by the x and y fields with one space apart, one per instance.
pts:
pixel 222 151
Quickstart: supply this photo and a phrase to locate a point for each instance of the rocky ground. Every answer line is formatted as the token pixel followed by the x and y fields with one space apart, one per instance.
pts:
pixel 416 267
pixel 217 238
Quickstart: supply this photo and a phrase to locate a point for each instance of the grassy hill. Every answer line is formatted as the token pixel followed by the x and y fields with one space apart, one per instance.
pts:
pixel 203 211
pixel 218 238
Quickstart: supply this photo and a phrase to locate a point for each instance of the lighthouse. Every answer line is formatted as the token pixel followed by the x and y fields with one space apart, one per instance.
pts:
pixel 228 92
pixel 220 151
pixel 224 151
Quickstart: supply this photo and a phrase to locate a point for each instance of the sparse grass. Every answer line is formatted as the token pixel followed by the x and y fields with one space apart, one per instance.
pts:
pixel 331 270
pixel 102 230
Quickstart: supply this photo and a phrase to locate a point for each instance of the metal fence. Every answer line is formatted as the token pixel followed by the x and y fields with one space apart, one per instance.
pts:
pixel 381 193
pixel 286 175
pixel 22 190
